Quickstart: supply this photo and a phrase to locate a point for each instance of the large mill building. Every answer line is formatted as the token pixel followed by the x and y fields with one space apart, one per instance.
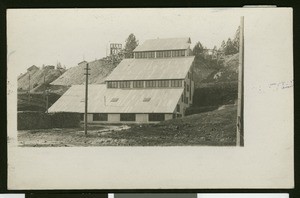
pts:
pixel 156 85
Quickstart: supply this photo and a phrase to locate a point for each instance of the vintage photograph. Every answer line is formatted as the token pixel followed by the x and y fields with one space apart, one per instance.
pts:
pixel 109 79
pixel 156 98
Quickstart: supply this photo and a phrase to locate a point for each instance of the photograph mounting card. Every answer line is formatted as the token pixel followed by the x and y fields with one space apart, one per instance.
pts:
pixel 166 98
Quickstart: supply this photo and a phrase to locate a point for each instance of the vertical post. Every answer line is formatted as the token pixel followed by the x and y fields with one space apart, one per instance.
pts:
pixel 239 131
pixel 86 97
pixel 29 88
pixel 44 92
pixel 47 100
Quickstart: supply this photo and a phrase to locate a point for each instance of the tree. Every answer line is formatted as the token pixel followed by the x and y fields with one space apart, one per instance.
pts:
pixel 223 46
pixel 198 52
pixel 198 49
pixel 58 65
pixel 230 49
pixel 215 48
pixel 236 40
pixel 130 45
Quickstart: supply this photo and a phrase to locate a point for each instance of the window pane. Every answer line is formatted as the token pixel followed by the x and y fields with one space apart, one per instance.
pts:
pixel 146 99
pixel 178 108
pixel 100 117
pixel 114 100
pixel 182 52
pixel 156 117
pixel 127 117
pixel 160 54
pixel 138 84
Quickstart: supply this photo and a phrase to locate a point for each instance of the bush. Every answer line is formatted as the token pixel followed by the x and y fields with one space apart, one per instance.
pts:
pixel 40 120
pixel 215 95
pixel 195 110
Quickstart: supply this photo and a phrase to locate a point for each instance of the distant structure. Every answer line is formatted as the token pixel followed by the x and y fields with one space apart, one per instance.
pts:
pixel 82 63
pixel 214 54
pixel 58 66
pixel 156 85
pixel 32 68
pixel 115 48
pixel 49 67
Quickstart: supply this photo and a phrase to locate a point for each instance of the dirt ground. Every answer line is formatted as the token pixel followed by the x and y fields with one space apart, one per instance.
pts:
pixel 215 128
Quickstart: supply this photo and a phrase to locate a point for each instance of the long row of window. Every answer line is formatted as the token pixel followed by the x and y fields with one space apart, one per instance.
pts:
pixel 146 83
pixel 129 117
pixel 124 84
pixel 144 55
pixel 160 54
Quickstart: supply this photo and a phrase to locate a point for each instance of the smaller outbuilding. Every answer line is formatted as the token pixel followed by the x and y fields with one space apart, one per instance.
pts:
pixel 32 68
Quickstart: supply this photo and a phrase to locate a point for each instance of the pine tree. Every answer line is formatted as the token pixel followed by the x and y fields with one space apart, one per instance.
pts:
pixel 223 46
pixel 198 52
pixel 198 49
pixel 215 48
pixel 130 45
pixel 236 40
pixel 230 49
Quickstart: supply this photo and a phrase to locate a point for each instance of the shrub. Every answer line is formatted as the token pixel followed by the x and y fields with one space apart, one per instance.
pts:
pixel 215 95
pixel 40 120
pixel 195 110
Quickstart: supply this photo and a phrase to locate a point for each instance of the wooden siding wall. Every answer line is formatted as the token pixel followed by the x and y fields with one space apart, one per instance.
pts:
pixel 113 117
pixel 142 118
pixel 168 116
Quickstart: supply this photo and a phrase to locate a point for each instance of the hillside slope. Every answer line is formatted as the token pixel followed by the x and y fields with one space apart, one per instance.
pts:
pixel 100 69
pixel 219 87
pixel 37 78
pixel 215 128
pixel 226 74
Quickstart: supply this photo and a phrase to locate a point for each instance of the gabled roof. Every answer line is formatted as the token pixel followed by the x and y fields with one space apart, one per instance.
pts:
pixel 82 62
pixel 152 69
pixel 164 44
pixel 33 67
pixel 74 75
pixel 103 100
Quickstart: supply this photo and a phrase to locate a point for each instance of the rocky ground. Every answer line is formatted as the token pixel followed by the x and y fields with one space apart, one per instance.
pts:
pixel 214 128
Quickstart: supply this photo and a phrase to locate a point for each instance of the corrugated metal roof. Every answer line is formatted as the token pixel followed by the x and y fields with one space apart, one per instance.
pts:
pixel 129 100
pixel 156 68
pixel 164 44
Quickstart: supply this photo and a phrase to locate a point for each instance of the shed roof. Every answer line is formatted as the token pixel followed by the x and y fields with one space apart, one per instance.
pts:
pixel 103 100
pixel 164 44
pixel 152 69
pixel 33 67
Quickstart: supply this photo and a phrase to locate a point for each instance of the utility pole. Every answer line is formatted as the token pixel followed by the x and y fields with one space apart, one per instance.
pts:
pixel 29 88
pixel 47 100
pixel 86 96
pixel 240 107
pixel 44 92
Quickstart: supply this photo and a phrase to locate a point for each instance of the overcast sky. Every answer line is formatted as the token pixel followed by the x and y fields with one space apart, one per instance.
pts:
pixel 45 36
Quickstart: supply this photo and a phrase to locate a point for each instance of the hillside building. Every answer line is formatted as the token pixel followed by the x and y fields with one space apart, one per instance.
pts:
pixel 49 67
pixel 32 68
pixel 156 85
